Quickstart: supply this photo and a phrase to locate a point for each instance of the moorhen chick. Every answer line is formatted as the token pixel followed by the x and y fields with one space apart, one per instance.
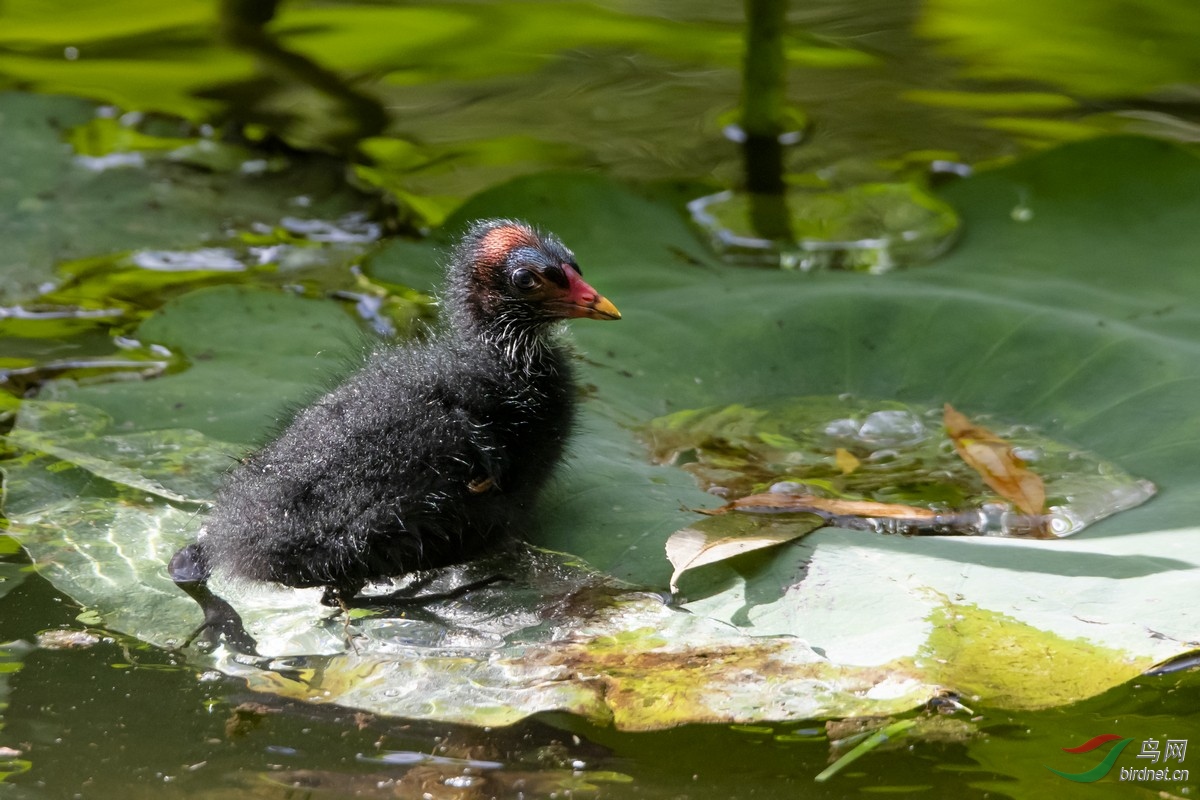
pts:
pixel 431 452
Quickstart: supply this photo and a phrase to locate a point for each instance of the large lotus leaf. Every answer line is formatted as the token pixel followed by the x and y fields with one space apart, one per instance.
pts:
pixel 1036 318
pixel 1059 310
pixel 559 636
pixel 252 354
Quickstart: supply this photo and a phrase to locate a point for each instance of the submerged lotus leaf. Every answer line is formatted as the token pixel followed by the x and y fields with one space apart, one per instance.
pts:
pixel 104 544
pixel 178 465
pixel 1034 320
pixel 629 660
pixel 902 455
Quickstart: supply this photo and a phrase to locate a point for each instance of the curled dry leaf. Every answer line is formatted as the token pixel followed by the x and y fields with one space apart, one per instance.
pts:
pixel 722 537
pixel 993 458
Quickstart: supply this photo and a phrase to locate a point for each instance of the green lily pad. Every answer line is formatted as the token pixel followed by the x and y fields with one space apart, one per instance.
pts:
pixel 92 245
pixel 1060 309
pixel 59 209
pixel 252 354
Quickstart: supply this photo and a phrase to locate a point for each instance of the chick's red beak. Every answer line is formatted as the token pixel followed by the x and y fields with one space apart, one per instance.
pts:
pixel 581 300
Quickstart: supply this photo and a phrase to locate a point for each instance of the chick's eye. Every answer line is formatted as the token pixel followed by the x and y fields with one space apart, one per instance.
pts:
pixel 524 280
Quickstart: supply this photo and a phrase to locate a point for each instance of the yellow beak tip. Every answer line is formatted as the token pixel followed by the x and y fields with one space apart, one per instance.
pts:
pixel 605 310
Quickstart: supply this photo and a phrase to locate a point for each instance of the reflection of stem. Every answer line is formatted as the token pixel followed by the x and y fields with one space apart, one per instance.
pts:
pixel 763 76
pixel 763 97
pixel 770 216
pixel 242 25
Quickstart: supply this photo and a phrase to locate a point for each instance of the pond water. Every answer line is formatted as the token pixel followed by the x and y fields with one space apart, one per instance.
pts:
pixel 380 119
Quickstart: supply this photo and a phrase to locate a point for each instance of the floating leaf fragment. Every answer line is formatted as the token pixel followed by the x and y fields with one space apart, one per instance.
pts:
pixel 993 458
pixel 721 538
pixel 845 460
pixel 66 639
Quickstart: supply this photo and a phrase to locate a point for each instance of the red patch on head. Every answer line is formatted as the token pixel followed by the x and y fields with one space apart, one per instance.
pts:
pixel 497 243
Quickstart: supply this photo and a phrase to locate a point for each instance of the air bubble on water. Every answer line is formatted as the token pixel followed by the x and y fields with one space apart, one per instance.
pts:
pixel 1063 522
pixel 842 429
pixel 352 228
pixel 1027 454
pixel 991 519
pixel 109 161
pixel 892 427
pixel 213 259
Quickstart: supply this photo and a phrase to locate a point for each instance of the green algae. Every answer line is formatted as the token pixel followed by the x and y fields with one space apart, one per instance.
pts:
pixel 990 657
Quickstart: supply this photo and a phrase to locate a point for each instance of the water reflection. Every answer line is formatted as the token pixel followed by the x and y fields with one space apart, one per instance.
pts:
pixel 351 115
pixel 640 91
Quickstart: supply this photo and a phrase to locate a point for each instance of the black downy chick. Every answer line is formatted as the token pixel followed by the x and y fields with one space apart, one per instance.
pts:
pixel 431 452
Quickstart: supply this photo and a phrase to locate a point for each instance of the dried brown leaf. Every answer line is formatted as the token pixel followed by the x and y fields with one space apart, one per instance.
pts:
pixel 993 458
pixel 779 502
